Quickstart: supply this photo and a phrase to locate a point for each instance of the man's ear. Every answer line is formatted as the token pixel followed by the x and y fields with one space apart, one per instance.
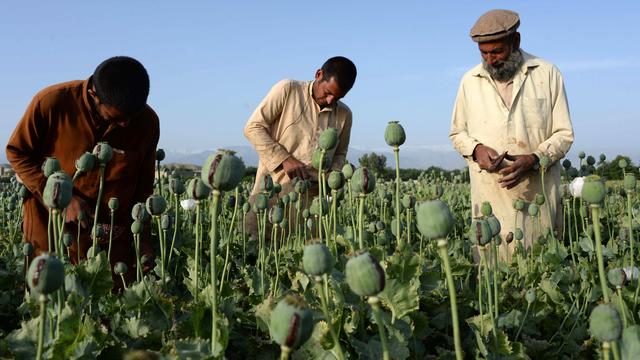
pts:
pixel 319 74
pixel 516 40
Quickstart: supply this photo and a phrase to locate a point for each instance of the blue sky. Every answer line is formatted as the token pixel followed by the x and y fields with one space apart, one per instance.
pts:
pixel 211 62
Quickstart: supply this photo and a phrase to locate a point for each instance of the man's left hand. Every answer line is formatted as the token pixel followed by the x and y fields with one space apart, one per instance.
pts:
pixel 513 174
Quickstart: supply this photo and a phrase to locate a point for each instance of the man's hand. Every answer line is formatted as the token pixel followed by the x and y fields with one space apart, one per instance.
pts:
pixel 486 157
pixel 75 206
pixel 513 174
pixel 295 168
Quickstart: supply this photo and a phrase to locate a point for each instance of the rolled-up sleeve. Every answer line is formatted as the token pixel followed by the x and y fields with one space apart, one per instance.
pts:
pixel 561 139
pixel 458 133
pixel 257 129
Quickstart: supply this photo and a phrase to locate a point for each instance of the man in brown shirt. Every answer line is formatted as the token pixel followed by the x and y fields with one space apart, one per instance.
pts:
pixel 64 121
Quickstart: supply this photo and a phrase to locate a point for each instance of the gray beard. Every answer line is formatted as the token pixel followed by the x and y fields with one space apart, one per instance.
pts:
pixel 508 69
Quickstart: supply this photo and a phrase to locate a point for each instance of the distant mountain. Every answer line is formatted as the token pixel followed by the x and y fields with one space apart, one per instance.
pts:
pixel 410 157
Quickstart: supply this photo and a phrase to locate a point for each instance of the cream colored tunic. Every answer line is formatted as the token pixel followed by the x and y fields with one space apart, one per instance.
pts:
pixel 288 122
pixel 537 121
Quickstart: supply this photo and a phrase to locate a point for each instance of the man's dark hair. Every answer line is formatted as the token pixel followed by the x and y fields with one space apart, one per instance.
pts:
pixel 122 82
pixel 342 70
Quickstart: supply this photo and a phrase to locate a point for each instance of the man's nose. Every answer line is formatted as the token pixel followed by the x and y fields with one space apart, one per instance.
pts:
pixel 330 99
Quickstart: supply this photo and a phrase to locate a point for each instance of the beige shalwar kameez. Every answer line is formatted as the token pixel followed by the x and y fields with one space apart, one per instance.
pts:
pixel 536 120
pixel 287 123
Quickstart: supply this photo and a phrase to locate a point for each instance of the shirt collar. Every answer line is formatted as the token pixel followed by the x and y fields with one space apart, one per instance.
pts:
pixel 315 105
pixel 529 62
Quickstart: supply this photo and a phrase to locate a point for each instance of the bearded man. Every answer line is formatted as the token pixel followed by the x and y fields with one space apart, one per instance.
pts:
pixel 510 111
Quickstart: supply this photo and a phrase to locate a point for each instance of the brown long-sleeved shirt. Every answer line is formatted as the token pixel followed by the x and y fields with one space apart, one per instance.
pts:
pixel 60 123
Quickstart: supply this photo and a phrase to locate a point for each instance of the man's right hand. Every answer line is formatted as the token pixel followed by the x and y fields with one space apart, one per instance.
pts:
pixel 485 157
pixel 295 168
pixel 75 206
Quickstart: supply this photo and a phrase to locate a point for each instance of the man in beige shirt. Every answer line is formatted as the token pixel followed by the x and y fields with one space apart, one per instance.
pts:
pixel 513 102
pixel 285 127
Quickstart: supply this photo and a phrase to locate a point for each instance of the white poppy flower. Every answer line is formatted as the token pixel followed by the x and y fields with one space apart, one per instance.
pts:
pixel 188 204
pixel 576 186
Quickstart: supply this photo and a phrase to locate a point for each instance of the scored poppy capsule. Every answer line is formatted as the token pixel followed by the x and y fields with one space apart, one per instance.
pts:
pixel 176 186
pixel 494 224
pixel 103 152
pixel 156 205
pixel 363 181
pixel 434 219
pixel 291 322
pixel 139 212
pixel 86 162
pixel 328 139
pixel 197 189
pixel 223 170
pixel 394 134
pixel 57 191
pixel 45 275
pixel 316 259
pixel 480 232
pixel 365 276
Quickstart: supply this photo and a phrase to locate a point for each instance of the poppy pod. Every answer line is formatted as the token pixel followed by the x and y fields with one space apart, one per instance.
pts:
pixel 593 190
pixel 120 268
pixel 363 181
pixel 364 275
pixel 336 180
pixel 408 201
pixel 315 160
pixel 315 206
pixel 276 214
pixel 58 191
pixel 328 139
pixel 27 249
pixel 494 224
pixel 86 162
pixel 604 323
pixel 139 212
pixel 486 209
pixel 103 152
pixel 533 210
pixel 617 277
pixel 114 204
pixel 291 322
pixel 266 183
pixel 176 186
pixel 480 232
pixel 347 170
pixel 197 189
pixel 316 259
pixel 50 165
pixel 630 181
pixel 160 154
pixel 45 275
pixel 165 222
pixel 137 227
pixel 539 199
pixel 156 205
pixel 434 219
pixel 261 201
pixel 223 170
pixel 394 134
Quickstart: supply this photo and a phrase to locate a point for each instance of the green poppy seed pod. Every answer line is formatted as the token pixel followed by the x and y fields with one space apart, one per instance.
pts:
pixel 572 173
pixel 81 215
pixel 617 277
pixel 494 224
pixel 518 204
pixel 347 170
pixel 139 212
pixel 480 232
pixel 306 213
pixel 363 181
pixel 285 199
pixel 58 191
pixel 160 154
pixel 93 251
pixel 293 197
pixel 223 170
pixel 381 226
pixel 434 218
pixel 50 165
pixel 581 155
pixel 593 190
pixel 545 161
pixel 246 207
pixel 67 239
pixel 317 259
pixel 315 206
pixel 120 268
pixel 113 204
pixel 197 189
pixel 103 152
pixel 604 323
pixel 622 163
pixel 566 164
pixel 136 227
pixel 45 275
pixel 277 188
pixel 530 296
pixel 276 214
pixel 591 160
pixel 364 274
pixel 262 202
pixel 630 182
pixel 165 221
pixel 309 223
pixel 328 139
pixel 603 157
pixel 394 134
pixel 176 186
pixel 156 205
pixel 315 160
pixel 533 210
pixel 336 180
pixel 486 209
pixel 408 201
pixel 99 231
pixel 291 322
pixel 27 249
pixel 518 234
pixel 266 183
pixel 539 199
pixel 86 162
pixel 300 186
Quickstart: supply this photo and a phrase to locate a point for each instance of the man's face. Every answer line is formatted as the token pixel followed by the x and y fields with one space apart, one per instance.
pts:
pixel 495 53
pixel 502 58
pixel 326 92
pixel 109 114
